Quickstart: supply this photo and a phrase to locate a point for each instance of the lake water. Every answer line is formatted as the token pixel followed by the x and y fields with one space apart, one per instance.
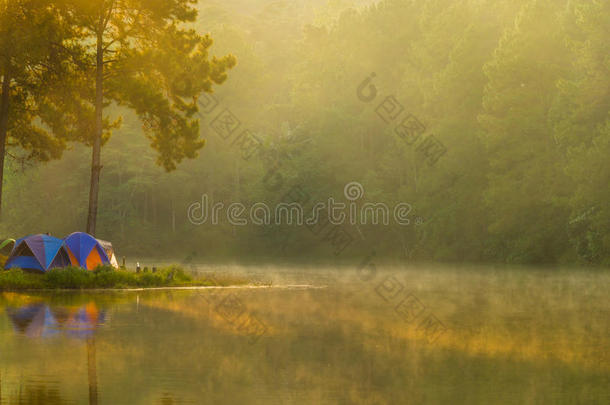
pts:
pixel 324 336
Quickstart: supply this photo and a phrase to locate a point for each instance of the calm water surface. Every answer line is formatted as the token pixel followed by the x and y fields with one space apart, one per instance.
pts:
pixel 442 336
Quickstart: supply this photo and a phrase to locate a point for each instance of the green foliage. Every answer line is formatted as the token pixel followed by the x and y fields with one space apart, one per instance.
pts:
pixel 154 64
pixel 35 82
pixel 75 278
pixel 34 64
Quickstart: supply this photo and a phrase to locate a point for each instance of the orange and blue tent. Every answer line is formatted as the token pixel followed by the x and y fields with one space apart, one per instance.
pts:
pixel 38 252
pixel 85 251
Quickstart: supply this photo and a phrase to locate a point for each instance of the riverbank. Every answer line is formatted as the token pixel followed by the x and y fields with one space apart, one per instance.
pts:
pixel 74 278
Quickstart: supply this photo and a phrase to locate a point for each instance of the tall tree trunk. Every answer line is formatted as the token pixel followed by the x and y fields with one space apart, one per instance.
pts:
pixel 4 104
pixel 173 216
pixel 146 197
pixel 154 210
pixel 96 166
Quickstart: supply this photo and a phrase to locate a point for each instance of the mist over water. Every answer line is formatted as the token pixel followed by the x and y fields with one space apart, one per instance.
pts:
pixel 535 336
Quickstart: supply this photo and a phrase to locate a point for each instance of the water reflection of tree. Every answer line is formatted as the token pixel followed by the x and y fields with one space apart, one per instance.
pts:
pixel 35 394
pixel 36 317
pixel 167 399
pixel 92 370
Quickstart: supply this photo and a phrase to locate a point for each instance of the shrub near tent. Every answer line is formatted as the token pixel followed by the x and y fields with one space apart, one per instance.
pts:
pixel 86 251
pixel 39 253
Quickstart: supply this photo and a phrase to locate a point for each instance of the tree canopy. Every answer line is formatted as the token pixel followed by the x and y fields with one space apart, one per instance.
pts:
pixel 142 57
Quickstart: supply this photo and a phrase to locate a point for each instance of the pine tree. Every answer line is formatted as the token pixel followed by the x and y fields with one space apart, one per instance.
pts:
pixel 142 57
pixel 35 65
pixel 526 180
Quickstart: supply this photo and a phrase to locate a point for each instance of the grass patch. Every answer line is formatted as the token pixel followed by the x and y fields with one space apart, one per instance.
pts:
pixel 76 278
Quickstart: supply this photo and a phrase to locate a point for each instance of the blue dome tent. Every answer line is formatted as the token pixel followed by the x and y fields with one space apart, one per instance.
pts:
pixel 86 251
pixel 39 253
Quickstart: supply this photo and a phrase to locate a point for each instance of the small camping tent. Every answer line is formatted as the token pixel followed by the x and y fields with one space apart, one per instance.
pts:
pixel 86 251
pixel 107 246
pixel 6 246
pixel 38 252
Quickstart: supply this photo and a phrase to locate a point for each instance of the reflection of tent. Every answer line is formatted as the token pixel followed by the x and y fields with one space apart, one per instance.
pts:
pixel 38 252
pixel 41 320
pixel 107 246
pixel 86 251
pixel 83 322
pixel 32 320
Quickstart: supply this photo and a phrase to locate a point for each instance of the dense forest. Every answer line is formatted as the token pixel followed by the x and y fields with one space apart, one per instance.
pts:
pixel 514 93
